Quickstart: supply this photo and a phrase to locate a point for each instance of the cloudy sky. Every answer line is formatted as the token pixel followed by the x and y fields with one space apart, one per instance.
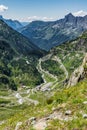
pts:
pixel 28 10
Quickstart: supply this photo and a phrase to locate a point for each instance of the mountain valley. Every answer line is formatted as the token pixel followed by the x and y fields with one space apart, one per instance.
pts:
pixel 42 90
pixel 18 59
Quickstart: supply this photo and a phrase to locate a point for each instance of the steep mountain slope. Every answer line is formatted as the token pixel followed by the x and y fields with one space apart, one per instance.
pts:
pixel 12 23
pixel 49 34
pixel 18 60
pixel 18 42
pixel 66 59
pixel 57 106
pixel 24 24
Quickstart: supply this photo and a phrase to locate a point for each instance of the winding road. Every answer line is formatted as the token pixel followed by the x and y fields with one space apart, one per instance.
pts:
pixel 43 72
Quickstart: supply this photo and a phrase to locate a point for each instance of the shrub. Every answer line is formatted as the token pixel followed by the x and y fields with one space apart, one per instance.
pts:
pixel 12 85
pixel 49 101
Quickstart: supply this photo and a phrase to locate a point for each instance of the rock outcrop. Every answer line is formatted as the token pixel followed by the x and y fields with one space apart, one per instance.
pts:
pixel 79 74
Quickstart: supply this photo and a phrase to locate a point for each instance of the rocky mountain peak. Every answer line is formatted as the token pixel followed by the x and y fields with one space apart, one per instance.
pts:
pixel 70 17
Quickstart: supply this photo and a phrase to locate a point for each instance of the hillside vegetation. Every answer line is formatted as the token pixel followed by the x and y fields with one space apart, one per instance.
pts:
pixel 52 104
pixel 18 60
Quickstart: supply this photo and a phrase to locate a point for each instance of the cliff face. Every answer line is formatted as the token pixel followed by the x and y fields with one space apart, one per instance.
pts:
pixel 79 74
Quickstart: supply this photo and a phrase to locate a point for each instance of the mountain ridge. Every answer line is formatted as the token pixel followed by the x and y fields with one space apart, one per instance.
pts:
pixel 15 24
pixel 49 34
pixel 15 39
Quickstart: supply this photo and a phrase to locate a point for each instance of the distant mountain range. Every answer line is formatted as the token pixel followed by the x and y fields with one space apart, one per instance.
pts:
pixel 15 24
pixel 46 35
pixel 49 34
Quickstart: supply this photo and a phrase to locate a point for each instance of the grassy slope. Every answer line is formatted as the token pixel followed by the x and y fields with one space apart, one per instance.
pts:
pixel 67 99
pixel 54 68
pixel 71 55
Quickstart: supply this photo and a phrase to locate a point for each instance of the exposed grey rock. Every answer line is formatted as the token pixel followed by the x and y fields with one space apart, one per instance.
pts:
pixel 84 115
pixel 85 102
pixel 68 112
pixel 78 74
pixel 40 125
pixel 18 125
pixel 33 122
pixel 2 122
pixel 46 87
pixel 35 102
pixel 32 119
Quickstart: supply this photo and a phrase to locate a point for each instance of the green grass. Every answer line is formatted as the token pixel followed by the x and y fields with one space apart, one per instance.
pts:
pixel 73 99
pixel 54 68
pixel 48 78
pixel 59 99
pixel 72 61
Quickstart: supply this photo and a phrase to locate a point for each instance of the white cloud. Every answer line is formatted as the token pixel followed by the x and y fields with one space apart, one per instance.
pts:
pixel 34 18
pixel 3 8
pixel 80 13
